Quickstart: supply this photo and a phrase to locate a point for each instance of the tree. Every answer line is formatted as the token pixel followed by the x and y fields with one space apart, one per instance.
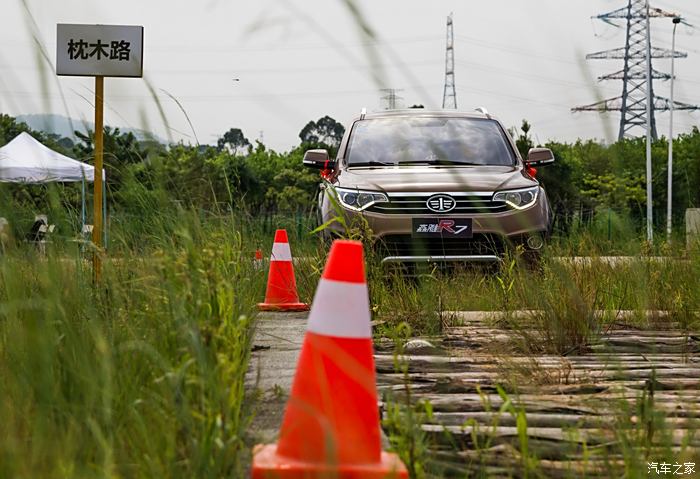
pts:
pixel 324 132
pixel 120 151
pixel 65 143
pixel 119 148
pixel 523 140
pixel 10 128
pixel 233 141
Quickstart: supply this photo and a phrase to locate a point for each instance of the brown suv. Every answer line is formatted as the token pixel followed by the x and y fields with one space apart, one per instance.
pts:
pixel 435 186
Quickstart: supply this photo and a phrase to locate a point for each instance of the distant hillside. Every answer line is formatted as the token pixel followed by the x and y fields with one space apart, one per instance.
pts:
pixel 61 125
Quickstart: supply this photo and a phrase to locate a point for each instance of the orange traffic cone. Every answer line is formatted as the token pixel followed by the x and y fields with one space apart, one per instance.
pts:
pixel 281 294
pixel 331 424
pixel 258 261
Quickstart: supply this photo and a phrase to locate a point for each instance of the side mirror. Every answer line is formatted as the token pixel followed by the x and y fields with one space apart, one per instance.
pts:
pixel 318 159
pixel 539 157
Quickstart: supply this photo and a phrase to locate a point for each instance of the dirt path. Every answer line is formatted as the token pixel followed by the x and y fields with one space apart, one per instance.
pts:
pixel 276 347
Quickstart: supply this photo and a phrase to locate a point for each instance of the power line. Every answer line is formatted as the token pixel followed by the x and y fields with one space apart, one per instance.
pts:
pixel 218 98
pixel 520 74
pixel 685 10
pixel 500 94
pixel 340 68
pixel 509 49
pixel 200 49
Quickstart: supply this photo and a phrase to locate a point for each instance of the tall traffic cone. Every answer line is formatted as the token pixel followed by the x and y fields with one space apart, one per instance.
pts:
pixel 331 424
pixel 281 294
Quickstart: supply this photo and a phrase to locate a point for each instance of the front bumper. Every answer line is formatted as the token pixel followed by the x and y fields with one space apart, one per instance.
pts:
pixel 490 258
pixel 493 233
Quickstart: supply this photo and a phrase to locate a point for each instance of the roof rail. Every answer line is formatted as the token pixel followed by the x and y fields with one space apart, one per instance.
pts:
pixel 363 112
pixel 483 110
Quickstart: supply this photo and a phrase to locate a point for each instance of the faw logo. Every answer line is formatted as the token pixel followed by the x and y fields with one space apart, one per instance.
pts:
pixel 441 203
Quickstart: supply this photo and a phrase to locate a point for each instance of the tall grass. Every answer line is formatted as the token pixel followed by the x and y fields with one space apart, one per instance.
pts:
pixel 139 376
pixel 565 299
pixel 143 374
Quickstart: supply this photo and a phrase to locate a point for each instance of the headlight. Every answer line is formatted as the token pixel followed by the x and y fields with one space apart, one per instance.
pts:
pixel 518 199
pixel 359 200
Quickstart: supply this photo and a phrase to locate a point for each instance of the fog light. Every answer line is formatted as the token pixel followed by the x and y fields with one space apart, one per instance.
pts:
pixel 535 242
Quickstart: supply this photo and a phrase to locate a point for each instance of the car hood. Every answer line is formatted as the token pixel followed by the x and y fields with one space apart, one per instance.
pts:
pixel 435 179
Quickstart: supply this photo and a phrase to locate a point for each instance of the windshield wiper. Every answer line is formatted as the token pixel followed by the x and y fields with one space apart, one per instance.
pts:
pixel 371 163
pixel 438 162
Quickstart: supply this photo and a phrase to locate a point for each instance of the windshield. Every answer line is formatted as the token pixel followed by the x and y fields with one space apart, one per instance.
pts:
pixel 428 141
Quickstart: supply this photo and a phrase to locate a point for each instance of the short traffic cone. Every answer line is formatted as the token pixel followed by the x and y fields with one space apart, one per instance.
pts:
pixel 281 294
pixel 258 261
pixel 331 423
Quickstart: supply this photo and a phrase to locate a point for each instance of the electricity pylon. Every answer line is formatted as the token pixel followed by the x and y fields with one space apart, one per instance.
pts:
pixel 391 98
pixel 637 55
pixel 449 97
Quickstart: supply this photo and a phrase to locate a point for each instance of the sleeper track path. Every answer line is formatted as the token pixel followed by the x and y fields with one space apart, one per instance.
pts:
pixel 276 347
pixel 632 385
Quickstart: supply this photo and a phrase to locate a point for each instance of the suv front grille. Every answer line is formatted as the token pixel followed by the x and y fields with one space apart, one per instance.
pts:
pixel 405 245
pixel 466 203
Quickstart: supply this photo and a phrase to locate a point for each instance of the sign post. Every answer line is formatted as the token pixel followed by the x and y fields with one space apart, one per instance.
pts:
pixel 100 51
pixel 99 155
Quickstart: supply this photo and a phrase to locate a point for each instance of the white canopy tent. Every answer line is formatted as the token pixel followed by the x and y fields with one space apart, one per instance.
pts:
pixel 27 160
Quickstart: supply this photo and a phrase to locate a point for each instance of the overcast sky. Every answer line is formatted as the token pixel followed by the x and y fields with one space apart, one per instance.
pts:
pixel 298 60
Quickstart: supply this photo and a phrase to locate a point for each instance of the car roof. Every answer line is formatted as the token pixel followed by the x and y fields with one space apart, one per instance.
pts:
pixel 418 112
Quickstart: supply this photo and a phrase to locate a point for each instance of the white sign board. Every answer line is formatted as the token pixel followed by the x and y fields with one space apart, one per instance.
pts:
pixel 99 50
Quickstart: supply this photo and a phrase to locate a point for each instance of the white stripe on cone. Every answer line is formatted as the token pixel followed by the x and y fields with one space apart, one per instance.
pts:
pixel 281 252
pixel 340 309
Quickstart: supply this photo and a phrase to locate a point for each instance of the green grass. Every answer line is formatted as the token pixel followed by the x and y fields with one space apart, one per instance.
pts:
pixel 139 376
pixel 567 299
pixel 143 374
pixel 559 288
